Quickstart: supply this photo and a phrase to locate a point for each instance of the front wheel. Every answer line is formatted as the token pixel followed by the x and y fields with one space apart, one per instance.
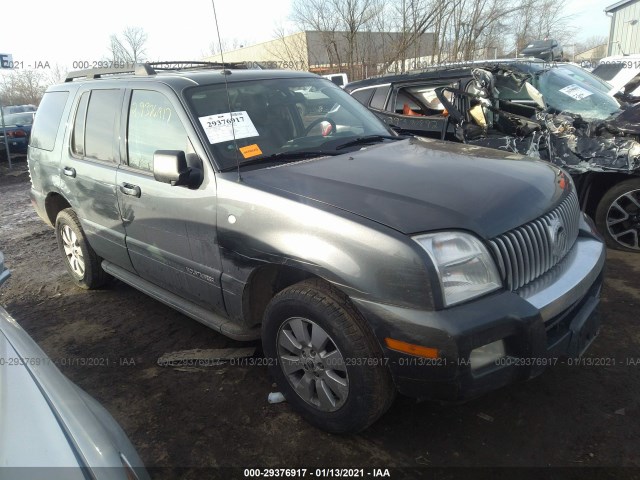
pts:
pixel 325 359
pixel 81 261
pixel 618 216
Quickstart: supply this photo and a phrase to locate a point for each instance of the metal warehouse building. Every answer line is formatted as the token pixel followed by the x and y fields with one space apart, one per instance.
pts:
pixel 333 51
pixel 624 37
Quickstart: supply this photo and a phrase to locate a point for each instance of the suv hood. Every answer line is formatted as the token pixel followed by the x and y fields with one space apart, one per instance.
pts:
pixel 419 185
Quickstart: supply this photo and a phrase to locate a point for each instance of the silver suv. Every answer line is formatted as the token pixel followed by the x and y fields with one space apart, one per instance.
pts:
pixel 368 263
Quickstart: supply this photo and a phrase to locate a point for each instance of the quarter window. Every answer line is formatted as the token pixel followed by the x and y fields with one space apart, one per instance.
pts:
pixel 45 127
pixel 77 140
pixel 153 125
pixel 363 96
pixel 380 97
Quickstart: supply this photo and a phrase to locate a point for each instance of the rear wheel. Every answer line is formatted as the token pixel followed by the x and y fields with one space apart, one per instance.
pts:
pixel 325 359
pixel 618 216
pixel 81 261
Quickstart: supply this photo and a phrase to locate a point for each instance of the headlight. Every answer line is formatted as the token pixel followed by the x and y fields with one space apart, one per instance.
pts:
pixel 545 51
pixel 464 266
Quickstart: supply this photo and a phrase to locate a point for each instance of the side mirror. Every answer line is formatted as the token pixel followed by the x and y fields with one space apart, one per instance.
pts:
pixel 170 166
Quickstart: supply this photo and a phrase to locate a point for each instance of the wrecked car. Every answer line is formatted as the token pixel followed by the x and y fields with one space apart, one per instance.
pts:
pixel 555 112
pixel 622 74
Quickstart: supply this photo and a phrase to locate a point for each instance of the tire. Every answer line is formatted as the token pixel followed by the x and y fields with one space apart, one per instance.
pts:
pixel 342 396
pixel 618 216
pixel 81 261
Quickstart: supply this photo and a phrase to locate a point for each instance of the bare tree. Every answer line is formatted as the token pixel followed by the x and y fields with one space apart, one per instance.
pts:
pixel 529 24
pixel 228 44
pixel 317 16
pixel 289 48
pixel 591 42
pixel 364 37
pixel 129 46
pixel 22 87
pixel 56 74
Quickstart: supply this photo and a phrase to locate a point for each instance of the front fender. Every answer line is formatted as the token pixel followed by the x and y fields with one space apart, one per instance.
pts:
pixel 362 258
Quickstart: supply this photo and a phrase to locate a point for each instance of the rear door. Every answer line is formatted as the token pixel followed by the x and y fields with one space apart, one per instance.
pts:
pixel 171 230
pixel 88 170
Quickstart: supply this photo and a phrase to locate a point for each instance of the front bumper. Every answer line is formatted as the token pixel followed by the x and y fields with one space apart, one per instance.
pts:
pixel 551 318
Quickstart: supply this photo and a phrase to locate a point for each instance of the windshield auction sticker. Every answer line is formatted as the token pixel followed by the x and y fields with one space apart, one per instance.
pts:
pixel 250 151
pixel 222 127
pixel 576 91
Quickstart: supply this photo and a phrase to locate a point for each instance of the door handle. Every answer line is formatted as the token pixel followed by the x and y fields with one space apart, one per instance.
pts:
pixel 69 172
pixel 129 189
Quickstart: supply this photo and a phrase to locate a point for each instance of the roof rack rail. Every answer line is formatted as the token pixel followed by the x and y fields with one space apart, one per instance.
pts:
pixel 152 68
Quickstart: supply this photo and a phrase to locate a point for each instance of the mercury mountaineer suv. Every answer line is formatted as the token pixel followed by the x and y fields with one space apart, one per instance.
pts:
pixel 368 263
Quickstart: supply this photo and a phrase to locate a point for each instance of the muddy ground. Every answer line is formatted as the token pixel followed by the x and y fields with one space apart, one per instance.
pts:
pixel 184 420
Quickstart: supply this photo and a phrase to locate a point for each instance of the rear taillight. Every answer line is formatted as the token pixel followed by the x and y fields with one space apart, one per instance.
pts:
pixel 17 134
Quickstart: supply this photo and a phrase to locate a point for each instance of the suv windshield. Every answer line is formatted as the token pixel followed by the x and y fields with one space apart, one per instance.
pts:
pixel 564 90
pixel 275 118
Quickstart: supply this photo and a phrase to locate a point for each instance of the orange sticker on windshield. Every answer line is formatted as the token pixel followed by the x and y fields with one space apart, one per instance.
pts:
pixel 250 151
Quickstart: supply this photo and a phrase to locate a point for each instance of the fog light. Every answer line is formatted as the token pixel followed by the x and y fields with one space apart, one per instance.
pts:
pixel 486 355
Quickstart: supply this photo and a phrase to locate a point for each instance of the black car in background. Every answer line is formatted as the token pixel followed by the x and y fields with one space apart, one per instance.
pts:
pixel 16 132
pixel 554 111
pixel 543 49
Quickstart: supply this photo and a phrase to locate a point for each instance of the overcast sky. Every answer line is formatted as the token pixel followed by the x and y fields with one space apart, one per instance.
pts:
pixel 64 31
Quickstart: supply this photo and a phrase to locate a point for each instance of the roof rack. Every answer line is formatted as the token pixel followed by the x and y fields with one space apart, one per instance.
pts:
pixel 152 68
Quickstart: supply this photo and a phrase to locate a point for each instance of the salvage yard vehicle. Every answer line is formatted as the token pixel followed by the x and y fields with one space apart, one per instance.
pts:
pixel 543 49
pixel 367 262
pixel 622 72
pixel 49 428
pixel 556 112
pixel 18 131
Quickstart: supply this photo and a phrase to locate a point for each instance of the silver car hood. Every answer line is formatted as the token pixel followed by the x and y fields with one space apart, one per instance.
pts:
pixel 47 421
pixel 26 419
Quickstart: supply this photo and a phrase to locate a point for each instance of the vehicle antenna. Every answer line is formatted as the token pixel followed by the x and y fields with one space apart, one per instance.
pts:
pixel 225 72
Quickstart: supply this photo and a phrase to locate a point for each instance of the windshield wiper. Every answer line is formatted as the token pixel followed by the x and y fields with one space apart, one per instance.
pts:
pixel 283 157
pixel 369 139
pixel 298 154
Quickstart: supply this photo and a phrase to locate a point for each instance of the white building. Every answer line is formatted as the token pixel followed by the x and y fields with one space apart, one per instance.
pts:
pixel 624 37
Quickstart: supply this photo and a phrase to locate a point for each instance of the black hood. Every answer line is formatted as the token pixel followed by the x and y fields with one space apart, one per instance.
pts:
pixel 419 185
pixel 628 121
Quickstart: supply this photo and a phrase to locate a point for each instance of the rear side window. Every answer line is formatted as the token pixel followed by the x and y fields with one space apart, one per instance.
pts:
pixel 363 96
pixel 100 127
pixel 380 97
pixel 45 127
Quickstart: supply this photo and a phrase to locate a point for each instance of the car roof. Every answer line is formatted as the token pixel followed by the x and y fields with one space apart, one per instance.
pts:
pixel 454 70
pixel 179 74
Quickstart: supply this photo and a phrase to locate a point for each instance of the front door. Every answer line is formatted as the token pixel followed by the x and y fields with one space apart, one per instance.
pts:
pixel 170 230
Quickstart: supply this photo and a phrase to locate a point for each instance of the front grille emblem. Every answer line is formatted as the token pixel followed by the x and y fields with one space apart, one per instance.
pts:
pixel 558 237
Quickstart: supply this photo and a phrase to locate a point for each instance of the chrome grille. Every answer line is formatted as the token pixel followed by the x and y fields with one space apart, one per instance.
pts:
pixel 530 250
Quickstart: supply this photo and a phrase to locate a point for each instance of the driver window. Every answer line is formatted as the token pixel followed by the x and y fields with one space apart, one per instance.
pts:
pixel 153 125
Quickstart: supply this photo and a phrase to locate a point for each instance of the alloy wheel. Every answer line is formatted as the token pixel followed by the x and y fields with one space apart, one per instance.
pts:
pixel 313 364
pixel 72 250
pixel 623 219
